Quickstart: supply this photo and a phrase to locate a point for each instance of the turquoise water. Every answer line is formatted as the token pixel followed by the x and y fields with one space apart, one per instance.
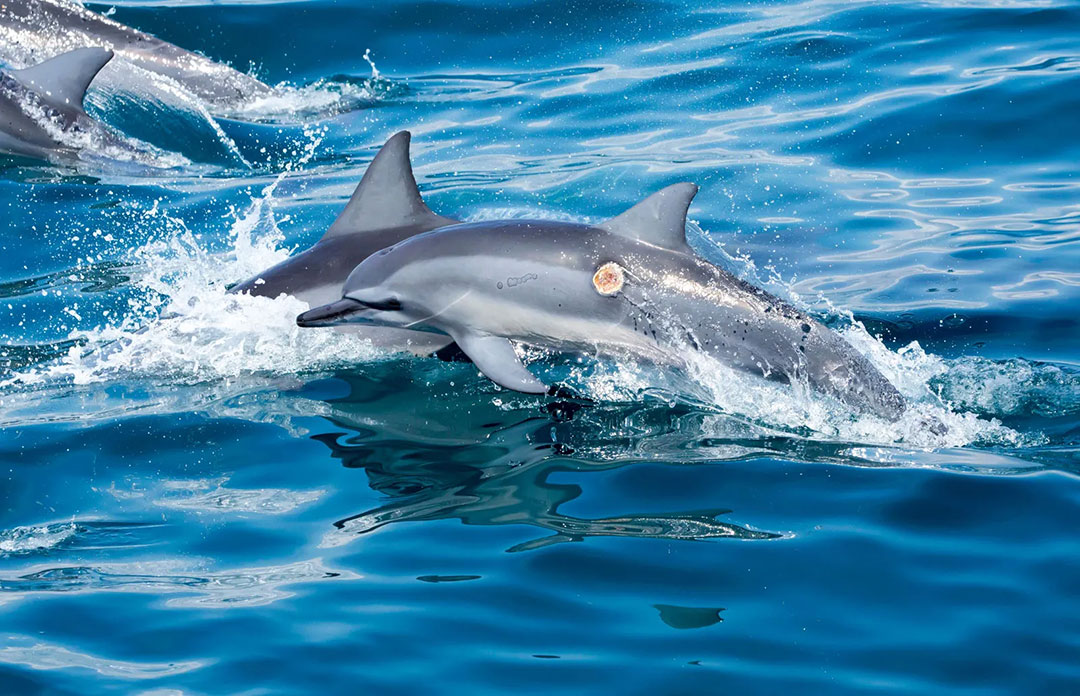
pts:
pixel 222 503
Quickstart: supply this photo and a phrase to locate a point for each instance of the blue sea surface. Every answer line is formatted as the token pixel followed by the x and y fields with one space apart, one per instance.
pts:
pixel 198 497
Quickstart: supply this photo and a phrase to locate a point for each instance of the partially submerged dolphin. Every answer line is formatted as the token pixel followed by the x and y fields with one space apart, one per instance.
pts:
pixel 52 26
pixel 41 107
pixel 385 209
pixel 630 285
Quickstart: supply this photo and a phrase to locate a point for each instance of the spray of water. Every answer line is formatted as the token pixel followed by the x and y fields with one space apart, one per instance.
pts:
pixel 289 103
pixel 187 327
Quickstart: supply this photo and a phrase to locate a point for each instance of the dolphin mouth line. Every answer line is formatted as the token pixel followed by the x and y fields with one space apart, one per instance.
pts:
pixel 432 316
pixel 331 314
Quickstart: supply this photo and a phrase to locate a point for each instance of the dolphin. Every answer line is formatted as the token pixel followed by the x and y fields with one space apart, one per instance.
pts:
pixel 630 286
pixel 385 208
pixel 56 25
pixel 41 107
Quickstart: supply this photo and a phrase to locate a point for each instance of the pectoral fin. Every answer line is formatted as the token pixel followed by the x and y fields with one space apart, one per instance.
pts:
pixel 495 357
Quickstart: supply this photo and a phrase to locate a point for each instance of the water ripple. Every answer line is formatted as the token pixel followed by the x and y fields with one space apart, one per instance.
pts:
pixel 239 588
pixel 81 535
pixel 207 495
pixel 48 656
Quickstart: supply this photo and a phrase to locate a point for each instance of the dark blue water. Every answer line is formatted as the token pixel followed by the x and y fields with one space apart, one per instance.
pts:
pixel 223 503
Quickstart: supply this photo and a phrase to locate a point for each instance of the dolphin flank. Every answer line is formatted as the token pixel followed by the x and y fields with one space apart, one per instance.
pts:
pixel 385 209
pixel 629 286
pixel 53 26
pixel 41 107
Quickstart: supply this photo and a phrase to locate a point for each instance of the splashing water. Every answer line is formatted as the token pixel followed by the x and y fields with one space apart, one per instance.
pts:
pixel 188 328
pixel 23 540
pixel 290 103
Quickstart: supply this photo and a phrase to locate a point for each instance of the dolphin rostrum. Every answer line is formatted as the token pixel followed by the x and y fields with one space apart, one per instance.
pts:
pixel 41 107
pixel 385 209
pixel 52 26
pixel 630 285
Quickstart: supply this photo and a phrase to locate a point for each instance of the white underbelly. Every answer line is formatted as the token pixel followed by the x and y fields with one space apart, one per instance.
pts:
pixel 394 340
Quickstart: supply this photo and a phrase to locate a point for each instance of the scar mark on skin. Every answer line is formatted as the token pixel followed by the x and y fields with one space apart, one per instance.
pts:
pixel 520 280
pixel 608 279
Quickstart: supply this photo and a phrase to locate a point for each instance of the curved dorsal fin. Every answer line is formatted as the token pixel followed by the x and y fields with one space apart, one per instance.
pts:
pixel 387 196
pixel 64 78
pixel 659 220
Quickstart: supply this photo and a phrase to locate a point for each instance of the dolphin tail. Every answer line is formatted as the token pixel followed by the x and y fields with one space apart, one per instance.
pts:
pixel 387 196
pixel 66 77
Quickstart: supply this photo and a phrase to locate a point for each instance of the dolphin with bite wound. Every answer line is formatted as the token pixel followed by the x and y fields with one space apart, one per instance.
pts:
pixel 41 107
pixel 386 208
pixel 52 26
pixel 629 286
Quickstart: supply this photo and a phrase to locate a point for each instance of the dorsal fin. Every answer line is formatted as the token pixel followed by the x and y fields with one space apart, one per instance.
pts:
pixel 659 220
pixel 64 78
pixel 387 196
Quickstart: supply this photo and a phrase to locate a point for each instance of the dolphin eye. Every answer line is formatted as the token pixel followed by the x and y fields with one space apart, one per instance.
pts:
pixel 391 304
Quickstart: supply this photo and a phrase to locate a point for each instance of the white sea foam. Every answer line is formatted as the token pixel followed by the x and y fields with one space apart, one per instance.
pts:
pixel 24 540
pixel 204 333
pixel 772 408
pixel 293 103
pixel 289 102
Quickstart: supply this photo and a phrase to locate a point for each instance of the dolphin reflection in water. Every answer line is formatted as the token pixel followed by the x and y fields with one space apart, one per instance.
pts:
pixel 486 467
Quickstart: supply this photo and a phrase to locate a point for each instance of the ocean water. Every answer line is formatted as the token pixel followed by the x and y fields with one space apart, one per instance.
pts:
pixel 200 498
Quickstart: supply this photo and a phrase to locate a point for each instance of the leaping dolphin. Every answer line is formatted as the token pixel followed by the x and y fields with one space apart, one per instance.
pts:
pixel 41 107
pixel 52 26
pixel 385 208
pixel 630 285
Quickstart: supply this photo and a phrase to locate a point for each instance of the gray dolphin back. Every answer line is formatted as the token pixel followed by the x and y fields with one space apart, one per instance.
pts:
pixel 748 327
pixel 51 26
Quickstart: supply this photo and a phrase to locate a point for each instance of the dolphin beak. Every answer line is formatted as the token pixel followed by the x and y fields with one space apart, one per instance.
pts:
pixel 331 314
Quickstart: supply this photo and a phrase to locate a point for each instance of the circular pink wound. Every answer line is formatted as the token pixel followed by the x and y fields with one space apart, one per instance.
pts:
pixel 608 279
